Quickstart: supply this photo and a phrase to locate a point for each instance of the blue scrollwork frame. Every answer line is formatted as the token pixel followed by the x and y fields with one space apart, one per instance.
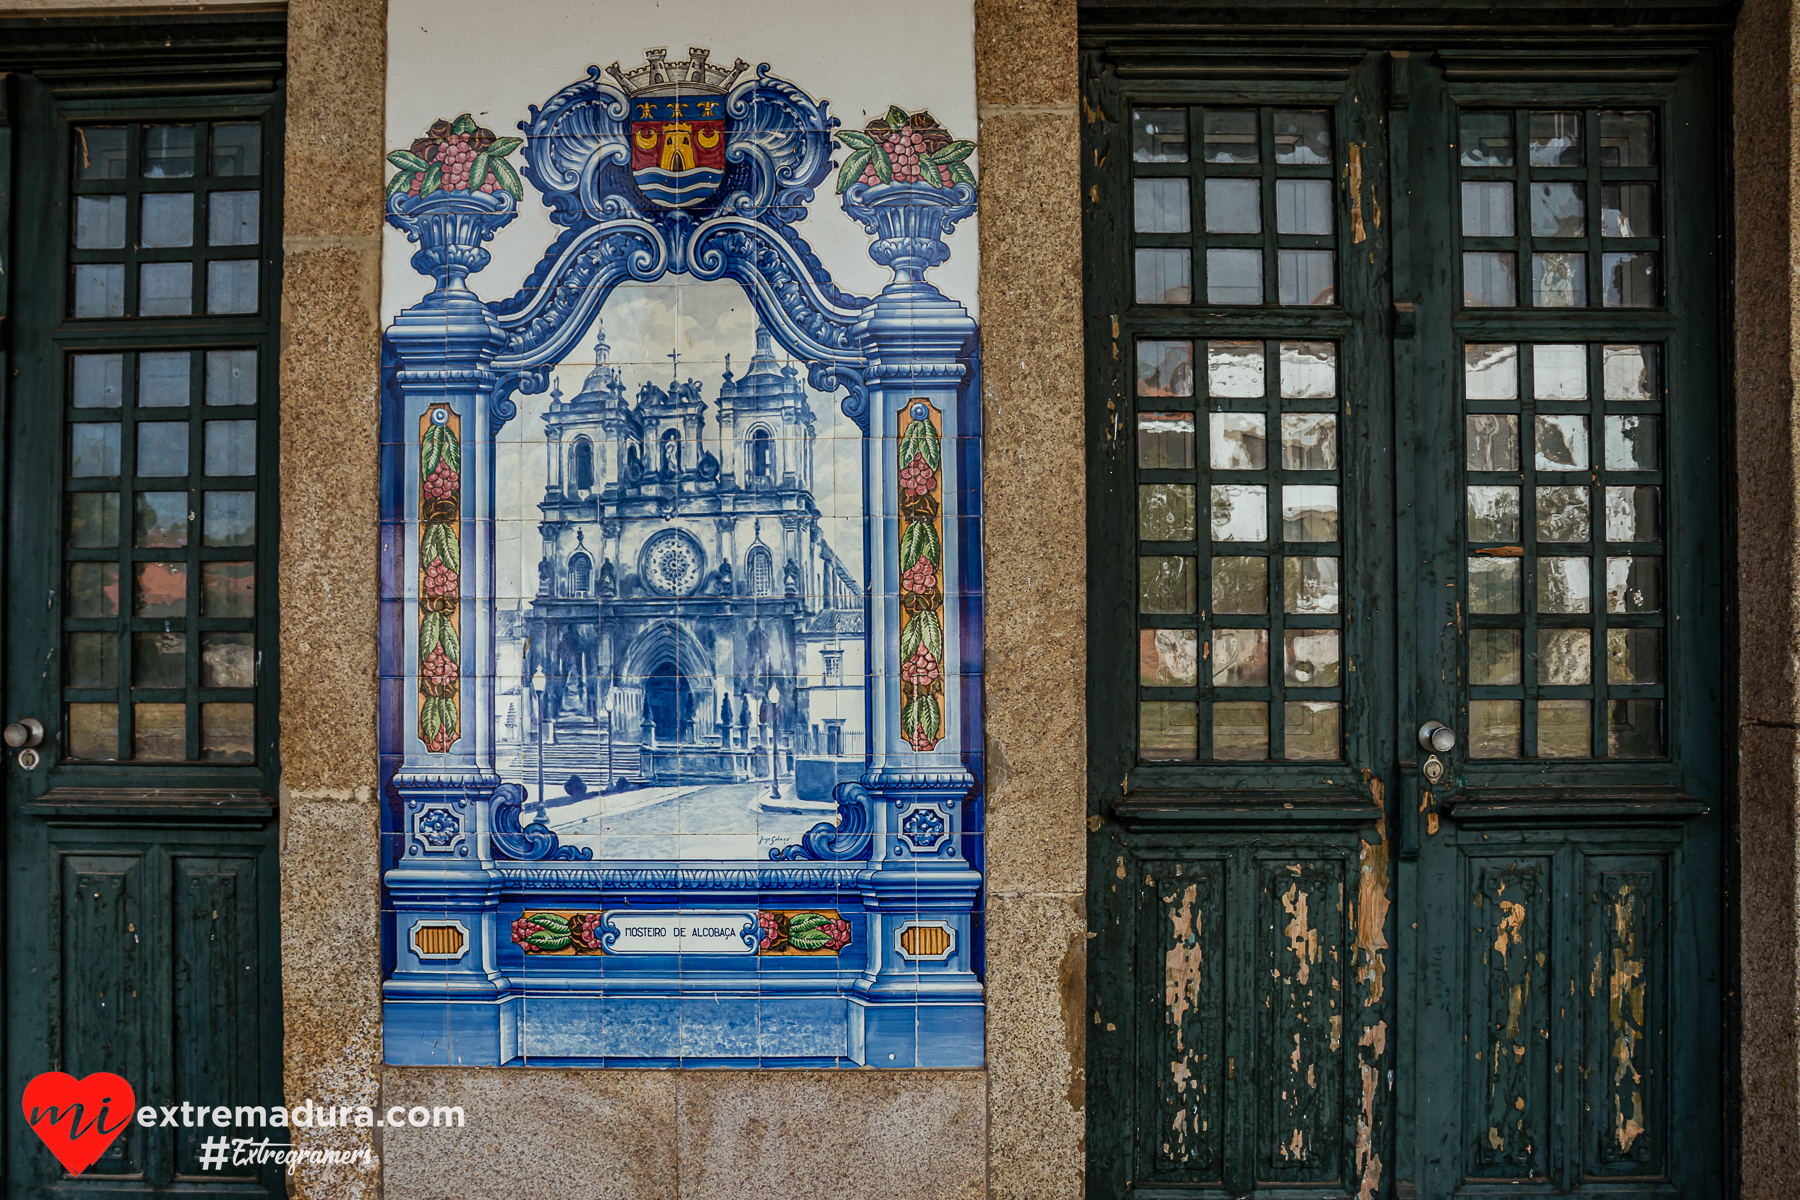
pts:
pixel 908 342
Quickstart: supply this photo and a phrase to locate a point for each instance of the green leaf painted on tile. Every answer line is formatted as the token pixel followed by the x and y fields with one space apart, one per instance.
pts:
pixel 554 922
pixel 884 166
pixel 434 179
pixel 931 633
pixel 504 146
pixel 478 172
pixel 955 152
pixel 407 160
pixel 549 941
pixel 897 116
pixel 855 139
pixel 853 169
pixel 463 124
pixel 918 540
pixel 807 939
pixel 509 178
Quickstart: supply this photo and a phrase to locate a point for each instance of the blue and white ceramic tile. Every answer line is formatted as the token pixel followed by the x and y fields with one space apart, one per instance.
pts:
pixel 681 391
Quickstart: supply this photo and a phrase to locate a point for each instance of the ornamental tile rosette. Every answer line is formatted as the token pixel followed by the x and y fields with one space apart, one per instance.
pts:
pixel 440 583
pixel 921 576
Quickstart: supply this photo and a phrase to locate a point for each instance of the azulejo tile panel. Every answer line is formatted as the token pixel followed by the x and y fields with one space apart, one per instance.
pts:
pixel 681 464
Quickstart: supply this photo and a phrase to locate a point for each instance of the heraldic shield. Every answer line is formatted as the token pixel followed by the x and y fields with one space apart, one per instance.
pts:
pixel 679 128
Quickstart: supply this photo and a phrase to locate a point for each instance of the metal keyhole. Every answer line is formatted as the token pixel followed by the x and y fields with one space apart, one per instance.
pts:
pixel 1434 769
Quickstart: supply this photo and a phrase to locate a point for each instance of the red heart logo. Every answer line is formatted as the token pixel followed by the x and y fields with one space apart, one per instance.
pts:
pixel 75 1117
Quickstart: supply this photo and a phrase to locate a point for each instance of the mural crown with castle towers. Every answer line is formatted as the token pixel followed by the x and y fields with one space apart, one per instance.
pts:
pixel 695 73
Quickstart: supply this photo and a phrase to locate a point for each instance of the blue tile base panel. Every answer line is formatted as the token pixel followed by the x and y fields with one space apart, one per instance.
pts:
pixel 679 589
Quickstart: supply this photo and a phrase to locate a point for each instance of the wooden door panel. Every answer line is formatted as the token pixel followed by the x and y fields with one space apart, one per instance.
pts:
pixel 1183 913
pixel 1508 1070
pixel 215 987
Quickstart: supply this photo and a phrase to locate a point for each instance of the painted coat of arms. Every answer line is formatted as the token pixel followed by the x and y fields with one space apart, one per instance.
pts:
pixel 678 125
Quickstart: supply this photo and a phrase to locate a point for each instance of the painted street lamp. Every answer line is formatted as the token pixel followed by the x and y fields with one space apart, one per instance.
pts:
pixel 538 684
pixel 774 741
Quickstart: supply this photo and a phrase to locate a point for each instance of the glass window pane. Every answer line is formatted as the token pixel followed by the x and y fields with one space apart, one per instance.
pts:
pixel 231 286
pixel 1634 728
pixel 1165 441
pixel 1309 585
pixel 230 448
pixel 1565 657
pixel 1493 585
pixel 1165 368
pixel 93 660
pixel 1493 514
pixel 99 152
pixel 1565 728
pixel 165 289
pixel 1490 280
pixel 1230 135
pixel 1240 512
pixel 1493 442
pixel 1234 370
pixel 1165 512
pixel 1166 658
pixel 159 660
pixel 1633 444
pixel 1634 514
pixel 1309 513
pixel 1494 728
pixel 237 149
pixel 228 589
pixel 99 222
pixel 228 660
pixel 1303 137
pixel 1167 729
pixel 1238 442
pixel 1311 730
pixel 231 377
pixel 1494 657
pixel 1240 586
pixel 1634 656
pixel 1240 658
pixel 1556 139
pixel 162 448
pixel 1629 280
pixel 1559 372
pixel 1166 585
pixel 234 218
pixel 1558 210
pixel 1487 209
pixel 1307 276
pixel 161 590
pixel 1303 206
pixel 159 732
pixel 1308 370
pixel 1561 442
pixel 1233 276
pixel 93 590
pixel 1564 586
pixel 96 380
pixel 1559 280
pixel 93 520
pixel 160 519
pixel 1629 372
pixel 1486 139
pixel 1233 206
pixel 1634 585
pixel 1627 139
pixel 1158 206
pixel 168 220
pixel 1164 277
pixel 228 732
pixel 1310 658
pixel 1309 441
pixel 1241 729
pixel 1562 514
pixel 94 732
pixel 99 289
pixel 93 450
pixel 168 151
pixel 163 379
pixel 1628 210
pixel 1157 135
pixel 1491 371
pixel 230 519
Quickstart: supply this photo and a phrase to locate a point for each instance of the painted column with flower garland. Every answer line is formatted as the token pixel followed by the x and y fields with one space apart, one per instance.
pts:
pixel 908 181
pixel 452 191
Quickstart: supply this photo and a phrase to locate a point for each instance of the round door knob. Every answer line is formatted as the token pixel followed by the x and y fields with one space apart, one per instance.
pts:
pixel 1437 737
pixel 23 733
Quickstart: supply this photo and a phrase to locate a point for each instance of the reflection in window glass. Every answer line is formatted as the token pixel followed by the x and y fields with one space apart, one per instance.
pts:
pixel 1160 205
pixel 1233 205
pixel 1486 139
pixel 1556 139
pixel 1230 136
pixel 1490 279
pixel 1559 280
pixel 1164 276
pixel 1233 276
pixel 1303 137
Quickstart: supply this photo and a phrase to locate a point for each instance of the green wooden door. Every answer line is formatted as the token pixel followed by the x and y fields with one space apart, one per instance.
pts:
pixel 141 900
pixel 1405 407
